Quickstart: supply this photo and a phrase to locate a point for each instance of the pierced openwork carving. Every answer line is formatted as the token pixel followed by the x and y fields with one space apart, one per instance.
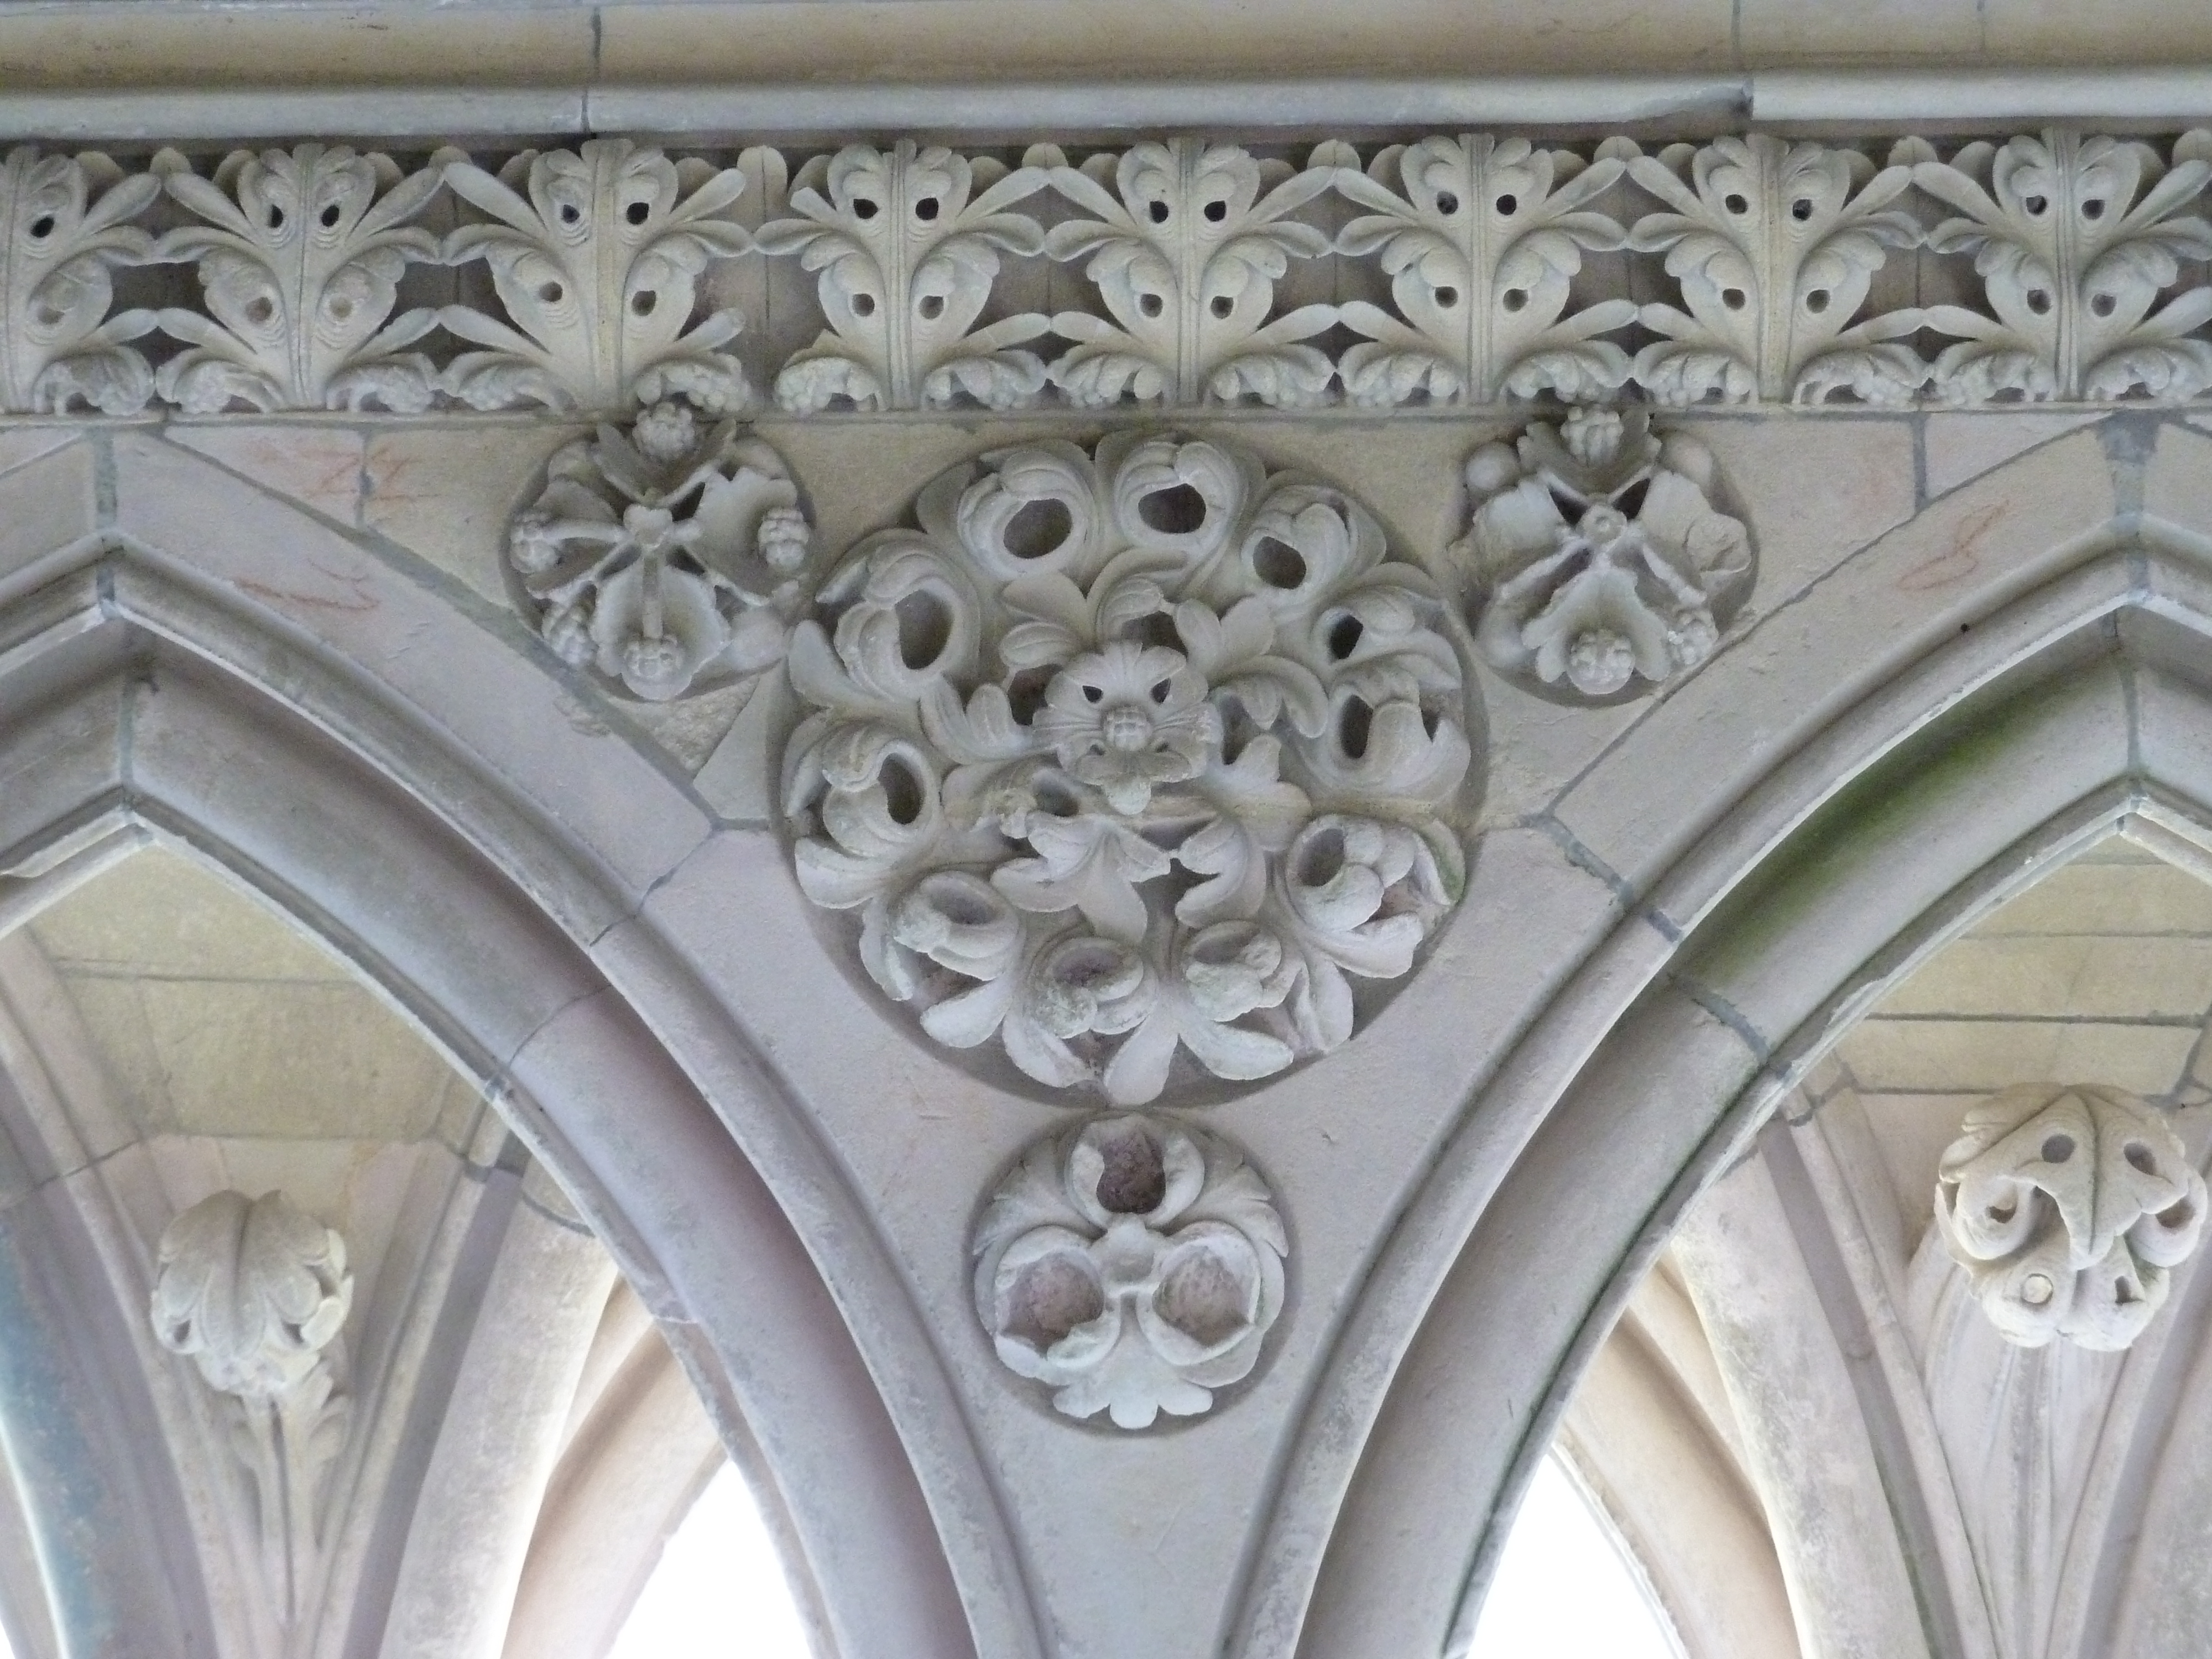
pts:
pixel 254 1292
pixel 667 556
pixel 1134 1266
pixel 299 255
pixel 597 267
pixel 2068 1207
pixel 67 221
pixel 1128 752
pixel 1598 555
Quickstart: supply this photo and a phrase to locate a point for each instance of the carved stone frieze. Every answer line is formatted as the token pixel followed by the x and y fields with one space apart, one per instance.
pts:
pixel 2068 1207
pixel 664 556
pixel 1467 269
pixel 1130 750
pixel 255 1293
pixel 1134 1266
pixel 1597 558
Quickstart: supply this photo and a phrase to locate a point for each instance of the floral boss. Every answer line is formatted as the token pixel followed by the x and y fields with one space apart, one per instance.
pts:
pixel 1128 751
pixel 1597 554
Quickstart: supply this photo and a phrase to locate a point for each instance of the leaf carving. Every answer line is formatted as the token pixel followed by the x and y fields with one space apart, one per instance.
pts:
pixel 1481 248
pixel 907 249
pixel 68 223
pixel 299 255
pixel 596 255
pixel 1186 241
pixel 1775 246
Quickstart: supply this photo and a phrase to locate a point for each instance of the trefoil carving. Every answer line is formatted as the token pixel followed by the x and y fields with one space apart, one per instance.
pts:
pixel 1598 561
pixel 1128 751
pixel 665 557
pixel 1134 1266
pixel 2068 1207
pixel 254 1292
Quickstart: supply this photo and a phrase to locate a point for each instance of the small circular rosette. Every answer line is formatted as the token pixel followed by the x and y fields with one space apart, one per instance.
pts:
pixel 1134 1266
pixel 1127 754
pixel 2068 1207
pixel 1600 565
pixel 666 558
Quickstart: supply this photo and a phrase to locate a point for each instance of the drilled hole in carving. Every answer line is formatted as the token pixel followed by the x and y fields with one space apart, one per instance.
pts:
pixel 330 216
pixel 1134 1178
pixel 1353 724
pixel 638 212
pixel 1278 563
pixel 1735 204
pixel 926 209
pixel 2035 205
pixel 1178 510
pixel 1817 301
pixel 1037 528
pixel 643 302
pixel 2038 301
pixel 2103 305
pixel 1159 212
pixel 1344 636
pixel 1216 212
pixel 340 308
pixel 1203 1297
pixel 1094 694
pixel 2002 1211
pixel 1447 203
pixel 863 304
pixel 2093 208
pixel 1025 693
pixel 931 308
pixel 1508 205
pixel 275 218
pixel 2141 1156
pixel 1161 689
pixel 259 309
pixel 2125 1293
pixel 42 227
pixel 863 208
pixel 1515 299
pixel 924 628
pixel 48 317
pixel 1802 208
pixel 2056 1149
pixel 1150 304
pixel 1321 858
pixel 1734 298
pixel 1050 1300
pixel 1222 305
pixel 570 213
pixel 901 790
pixel 549 292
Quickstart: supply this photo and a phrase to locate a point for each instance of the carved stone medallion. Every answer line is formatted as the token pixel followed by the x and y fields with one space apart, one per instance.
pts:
pixel 1134 1266
pixel 665 557
pixel 1128 751
pixel 1599 563
pixel 2068 1207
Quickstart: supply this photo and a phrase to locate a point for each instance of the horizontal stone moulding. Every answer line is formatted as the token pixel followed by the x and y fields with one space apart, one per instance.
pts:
pixel 1460 270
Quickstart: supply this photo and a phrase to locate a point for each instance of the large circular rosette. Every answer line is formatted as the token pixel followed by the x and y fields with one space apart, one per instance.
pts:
pixel 1125 753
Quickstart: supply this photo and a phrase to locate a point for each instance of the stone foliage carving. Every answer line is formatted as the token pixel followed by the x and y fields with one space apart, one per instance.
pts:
pixel 2068 1207
pixel 1129 752
pixel 596 256
pixel 666 557
pixel 1132 1266
pixel 1185 271
pixel 1597 556
pixel 299 255
pixel 254 1292
pixel 67 221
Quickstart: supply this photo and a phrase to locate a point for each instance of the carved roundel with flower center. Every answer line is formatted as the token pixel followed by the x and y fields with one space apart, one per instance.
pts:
pixel 1130 753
